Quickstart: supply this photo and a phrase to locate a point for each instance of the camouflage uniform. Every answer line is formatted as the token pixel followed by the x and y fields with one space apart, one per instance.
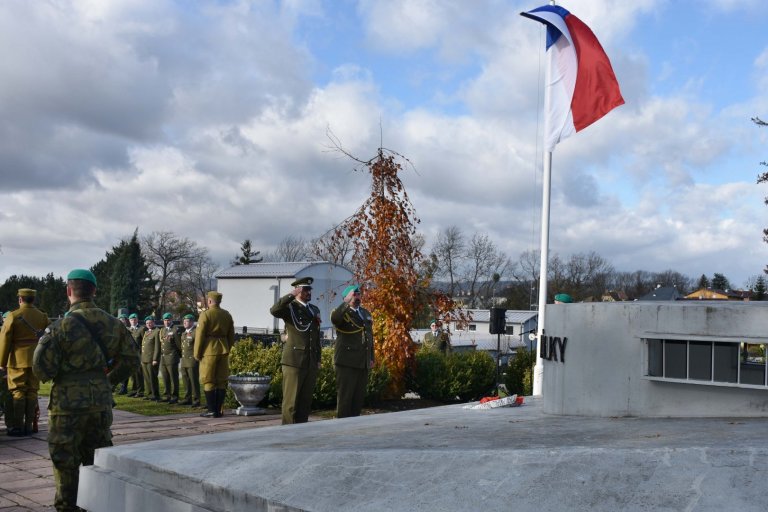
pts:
pixel 214 338
pixel 80 407
pixel 170 350
pixel 18 339
pixel 190 368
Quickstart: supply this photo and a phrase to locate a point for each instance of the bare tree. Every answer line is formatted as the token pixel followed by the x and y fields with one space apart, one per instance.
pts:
pixel 449 248
pixel 170 259
pixel 290 248
pixel 334 246
pixel 483 260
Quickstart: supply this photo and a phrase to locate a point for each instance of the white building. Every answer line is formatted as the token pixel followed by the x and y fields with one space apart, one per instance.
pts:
pixel 250 290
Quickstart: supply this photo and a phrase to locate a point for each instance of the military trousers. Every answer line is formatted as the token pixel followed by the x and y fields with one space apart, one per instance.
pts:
pixel 22 383
pixel 214 372
pixel 298 387
pixel 170 374
pixel 191 377
pixel 72 440
pixel 151 383
pixel 351 384
pixel 138 381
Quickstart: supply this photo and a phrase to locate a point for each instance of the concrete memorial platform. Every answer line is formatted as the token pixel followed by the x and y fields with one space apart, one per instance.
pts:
pixel 446 459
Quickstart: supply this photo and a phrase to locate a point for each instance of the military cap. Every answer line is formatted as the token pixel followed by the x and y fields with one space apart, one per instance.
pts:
pixel 189 316
pixel 564 298
pixel 5 315
pixel 81 273
pixel 133 315
pixel 213 294
pixel 167 316
pixel 349 289
pixel 122 315
pixel 148 318
pixel 303 282
pixel 26 292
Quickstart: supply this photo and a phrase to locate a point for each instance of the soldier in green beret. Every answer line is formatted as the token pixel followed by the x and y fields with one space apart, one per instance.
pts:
pixel 18 339
pixel 150 358
pixel 352 352
pixel 137 333
pixel 85 354
pixel 437 339
pixel 170 356
pixel 214 338
pixel 301 352
pixel 190 367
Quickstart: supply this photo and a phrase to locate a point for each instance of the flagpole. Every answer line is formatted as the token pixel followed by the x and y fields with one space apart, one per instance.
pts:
pixel 546 186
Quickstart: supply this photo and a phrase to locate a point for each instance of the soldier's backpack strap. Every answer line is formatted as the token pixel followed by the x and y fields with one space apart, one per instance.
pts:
pixel 38 333
pixel 95 337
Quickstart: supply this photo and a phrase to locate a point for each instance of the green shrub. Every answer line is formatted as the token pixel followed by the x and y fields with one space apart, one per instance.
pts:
pixel 324 395
pixel 430 379
pixel 519 372
pixel 378 380
pixel 472 375
pixel 250 356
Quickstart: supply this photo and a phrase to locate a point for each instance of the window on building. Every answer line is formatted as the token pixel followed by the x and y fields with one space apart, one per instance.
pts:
pixel 702 361
pixel 510 329
pixel 472 327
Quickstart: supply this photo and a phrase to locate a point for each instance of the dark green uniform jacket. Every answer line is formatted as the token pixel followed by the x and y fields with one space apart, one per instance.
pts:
pixel 170 345
pixel 150 346
pixel 188 348
pixel 68 354
pixel 354 337
pixel 302 327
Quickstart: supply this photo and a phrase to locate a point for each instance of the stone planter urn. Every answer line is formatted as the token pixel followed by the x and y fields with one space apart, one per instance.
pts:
pixel 249 390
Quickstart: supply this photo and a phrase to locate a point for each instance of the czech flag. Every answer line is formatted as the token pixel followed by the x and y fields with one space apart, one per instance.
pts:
pixel 582 85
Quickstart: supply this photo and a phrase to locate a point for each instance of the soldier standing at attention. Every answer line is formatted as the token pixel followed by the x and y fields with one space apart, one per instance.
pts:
pixel 123 317
pixel 353 352
pixel 301 352
pixel 190 367
pixel 137 332
pixel 18 339
pixel 214 338
pixel 150 357
pixel 85 354
pixel 170 349
pixel 437 339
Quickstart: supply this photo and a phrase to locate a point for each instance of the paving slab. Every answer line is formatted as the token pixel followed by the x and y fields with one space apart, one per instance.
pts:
pixel 447 459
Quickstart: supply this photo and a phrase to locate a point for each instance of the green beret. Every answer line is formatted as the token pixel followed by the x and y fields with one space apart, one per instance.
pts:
pixel 122 315
pixel 563 297
pixel 303 282
pixel 189 316
pixel 26 292
pixel 133 315
pixel 5 315
pixel 434 321
pixel 148 318
pixel 81 273
pixel 167 316
pixel 349 289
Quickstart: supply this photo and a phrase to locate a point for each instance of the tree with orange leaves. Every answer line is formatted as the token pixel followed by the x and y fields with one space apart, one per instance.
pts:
pixel 386 261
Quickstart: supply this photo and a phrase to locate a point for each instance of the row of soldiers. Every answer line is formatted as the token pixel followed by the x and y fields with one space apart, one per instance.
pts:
pixel 166 351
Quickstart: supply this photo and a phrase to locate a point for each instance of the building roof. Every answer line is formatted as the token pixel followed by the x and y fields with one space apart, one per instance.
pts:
pixel 269 269
pixel 513 316
pixel 662 293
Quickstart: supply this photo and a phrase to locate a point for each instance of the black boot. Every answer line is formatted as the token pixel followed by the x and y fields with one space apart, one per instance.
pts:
pixel 29 415
pixel 17 428
pixel 210 401
pixel 220 395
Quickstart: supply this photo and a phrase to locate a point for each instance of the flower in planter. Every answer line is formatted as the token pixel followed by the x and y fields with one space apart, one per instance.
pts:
pixel 247 374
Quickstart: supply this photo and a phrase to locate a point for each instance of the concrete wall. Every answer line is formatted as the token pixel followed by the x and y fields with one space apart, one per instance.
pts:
pixel 605 366
pixel 248 299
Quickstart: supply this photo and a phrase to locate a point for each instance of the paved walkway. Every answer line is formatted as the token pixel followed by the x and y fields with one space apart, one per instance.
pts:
pixel 26 474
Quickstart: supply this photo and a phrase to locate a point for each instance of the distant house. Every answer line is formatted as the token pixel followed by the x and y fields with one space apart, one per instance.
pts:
pixel 250 290
pixel 663 293
pixel 614 296
pixel 476 335
pixel 713 294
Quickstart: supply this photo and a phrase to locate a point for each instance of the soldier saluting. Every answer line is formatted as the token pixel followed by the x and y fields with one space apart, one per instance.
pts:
pixel 85 354
pixel 301 352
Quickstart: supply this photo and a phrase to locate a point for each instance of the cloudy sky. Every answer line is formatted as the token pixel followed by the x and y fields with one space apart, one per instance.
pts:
pixel 210 119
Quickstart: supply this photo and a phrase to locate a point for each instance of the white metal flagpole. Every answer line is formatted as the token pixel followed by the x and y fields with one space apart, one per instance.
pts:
pixel 538 369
